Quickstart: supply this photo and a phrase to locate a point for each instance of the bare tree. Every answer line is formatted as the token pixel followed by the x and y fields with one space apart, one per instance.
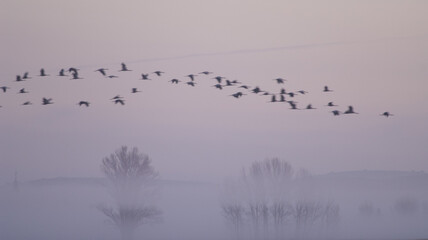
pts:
pixel 234 213
pixel 130 174
pixel 280 212
pixel 306 213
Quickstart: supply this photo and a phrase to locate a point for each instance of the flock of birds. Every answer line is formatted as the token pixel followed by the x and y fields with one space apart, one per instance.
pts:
pixel 282 96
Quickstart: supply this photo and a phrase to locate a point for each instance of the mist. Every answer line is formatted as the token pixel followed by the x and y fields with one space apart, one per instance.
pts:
pixel 356 153
pixel 365 204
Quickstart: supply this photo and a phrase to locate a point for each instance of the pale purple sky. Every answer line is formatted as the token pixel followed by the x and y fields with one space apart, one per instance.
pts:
pixel 374 54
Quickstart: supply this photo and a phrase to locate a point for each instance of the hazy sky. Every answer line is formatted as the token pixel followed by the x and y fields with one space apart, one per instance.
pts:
pixel 373 54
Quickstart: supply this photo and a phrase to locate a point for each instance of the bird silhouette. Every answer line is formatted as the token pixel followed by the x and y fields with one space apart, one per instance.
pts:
pixel 331 104
pixel 135 90
pixel 72 69
pixel 326 89
pixel 4 88
pixel 174 81
pixel 291 94
pixel 244 86
pixel 19 79
pixel 218 78
pixel 46 101
pixel 273 98
pixel 218 86
pixel 310 107
pixel 102 71
pixel 121 101
pixel 159 73
pixel 237 95
pixel 350 110
pixel 84 103
pixel 75 75
pixel 43 73
pixel 387 114
pixel 112 76
pixel 303 92
pixel 116 97
pixel 145 76
pixel 22 90
pixel 280 80
pixel 27 103
pixel 191 83
pixel 205 72
pixel 62 73
pixel 124 68
pixel 293 105
pixel 25 76
pixel 336 112
pixel 282 98
pixel 283 91
pixel 256 90
pixel 191 76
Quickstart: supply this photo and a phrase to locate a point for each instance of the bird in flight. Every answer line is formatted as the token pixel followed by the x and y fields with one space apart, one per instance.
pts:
pixel 112 76
pixel 331 104
pixel 303 92
pixel 84 103
pixel 237 95
pixel 310 106
pixel 124 68
pixel 192 77
pixel 72 69
pixel 350 110
pixel 27 103
pixel 293 105
pixel 102 71
pixel 191 83
pixel 19 79
pixel 43 73
pixel 159 73
pixel 46 101
pixel 256 90
pixel 218 86
pixel 145 76
pixel 387 114
pixel 62 73
pixel 280 80
pixel 218 78
pixel 4 88
pixel 116 97
pixel 273 99
pixel 75 75
pixel 135 90
pixel 25 76
pixel 121 101
pixel 22 90
pixel 174 81
pixel 244 86
pixel 205 72
pixel 326 89
pixel 335 112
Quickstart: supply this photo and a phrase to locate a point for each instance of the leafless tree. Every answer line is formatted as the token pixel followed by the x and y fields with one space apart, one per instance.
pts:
pixel 306 213
pixel 129 218
pixel 130 174
pixel 330 213
pixel 280 212
pixel 234 213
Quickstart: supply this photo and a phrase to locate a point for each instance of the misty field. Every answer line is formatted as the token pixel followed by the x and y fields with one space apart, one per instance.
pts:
pixel 373 205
